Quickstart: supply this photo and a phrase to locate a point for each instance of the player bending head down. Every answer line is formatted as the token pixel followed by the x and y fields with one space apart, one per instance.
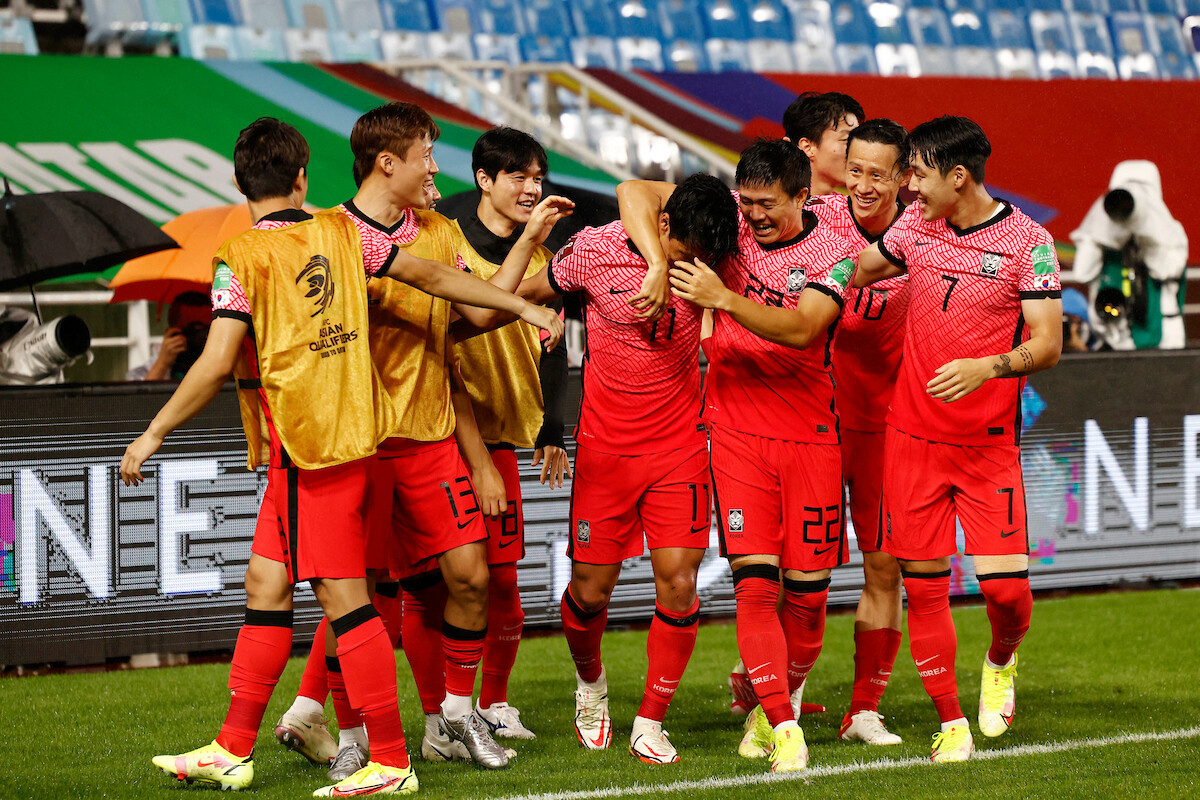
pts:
pixel 819 123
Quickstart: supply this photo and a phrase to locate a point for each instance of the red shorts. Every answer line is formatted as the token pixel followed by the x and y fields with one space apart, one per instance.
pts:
pixel 779 498
pixel 434 508
pixel 927 483
pixel 615 498
pixel 862 472
pixel 314 521
pixel 506 536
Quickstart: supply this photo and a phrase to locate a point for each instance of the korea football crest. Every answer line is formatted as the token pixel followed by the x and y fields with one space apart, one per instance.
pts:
pixel 736 520
pixel 797 277
pixel 990 264
pixel 583 532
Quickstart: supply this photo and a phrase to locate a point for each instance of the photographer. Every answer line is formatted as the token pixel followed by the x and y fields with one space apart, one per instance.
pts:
pixel 189 317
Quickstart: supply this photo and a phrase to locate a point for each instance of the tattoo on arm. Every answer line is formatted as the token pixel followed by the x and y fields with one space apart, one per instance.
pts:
pixel 1005 368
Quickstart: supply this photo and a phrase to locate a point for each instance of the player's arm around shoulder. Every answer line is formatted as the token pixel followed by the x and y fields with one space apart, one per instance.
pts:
pixel 641 203
pixel 886 257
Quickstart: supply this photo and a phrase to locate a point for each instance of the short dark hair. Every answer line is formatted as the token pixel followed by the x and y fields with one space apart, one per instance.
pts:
pixel 946 142
pixel 186 300
pixel 704 217
pixel 883 131
pixel 268 156
pixel 813 113
pixel 506 149
pixel 768 161
pixel 393 127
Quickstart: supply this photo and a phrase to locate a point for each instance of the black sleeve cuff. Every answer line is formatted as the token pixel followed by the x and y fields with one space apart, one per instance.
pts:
pixel 553 283
pixel 242 316
pixel 823 289
pixel 890 256
pixel 387 264
pixel 1045 294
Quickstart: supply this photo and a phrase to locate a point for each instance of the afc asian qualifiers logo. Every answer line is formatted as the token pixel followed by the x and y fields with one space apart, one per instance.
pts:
pixel 737 520
pixel 583 532
pixel 318 283
pixel 796 279
pixel 990 264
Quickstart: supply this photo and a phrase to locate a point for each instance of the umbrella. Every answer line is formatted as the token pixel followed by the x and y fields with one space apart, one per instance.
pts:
pixel 161 277
pixel 53 234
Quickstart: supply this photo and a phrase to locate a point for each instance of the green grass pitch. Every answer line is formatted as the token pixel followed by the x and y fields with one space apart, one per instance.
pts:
pixel 1094 667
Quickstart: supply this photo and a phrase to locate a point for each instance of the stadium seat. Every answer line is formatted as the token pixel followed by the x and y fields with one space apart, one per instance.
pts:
pixel 980 7
pixel 1166 8
pixel 770 55
pixel 1014 5
pixel 215 12
pixel 425 45
pixel 406 15
pixel 894 50
pixel 685 55
pixel 208 42
pixel 1120 6
pixel 681 19
pixel 814 59
pixel 1175 57
pixel 724 19
pixel 497 47
pixel 637 19
pixel 812 30
pixel 1093 45
pixel 548 18
pixel 931 34
pixel 312 14
pixel 260 44
pixel 359 15
pixel 974 52
pixel 1052 41
pixel 308 44
pixel 640 53
pixel 727 55
pixel 768 19
pixel 1137 49
pixel 594 51
pixel 17 37
pixel 593 18
pixel 1015 56
pixel 457 16
pixel 355 46
pixel 263 14
pixel 545 49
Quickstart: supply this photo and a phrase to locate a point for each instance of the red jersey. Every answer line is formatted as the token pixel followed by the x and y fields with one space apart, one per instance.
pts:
pixel 766 389
pixel 967 287
pixel 870 336
pixel 641 379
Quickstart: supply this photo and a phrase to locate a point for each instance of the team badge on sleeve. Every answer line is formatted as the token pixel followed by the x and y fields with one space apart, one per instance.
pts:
pixel 737 520
pixel 220 285
pixel 797 276
pixel 842 272
pixel 990 264
pixel 1042 257
pixel 583 532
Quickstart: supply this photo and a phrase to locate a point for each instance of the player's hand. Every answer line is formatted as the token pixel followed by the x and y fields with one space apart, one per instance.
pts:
pixel 136 454
pixel 697 283
pixel 555 464
pixel 546 215
pixel 958 378
pixel 489 489
pixel 548 320
pixel 651 300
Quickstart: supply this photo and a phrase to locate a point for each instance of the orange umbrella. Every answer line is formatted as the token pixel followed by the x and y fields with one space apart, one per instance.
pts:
pixel 163 276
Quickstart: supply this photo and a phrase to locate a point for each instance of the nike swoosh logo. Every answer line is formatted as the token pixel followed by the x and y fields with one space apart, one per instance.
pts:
pixel 756 669
pixel 926 661
pixel 702 529
pixel 1004 535
pixel 664 680
pixel 511 540
pixel 462 525
pixel 206 763
pixel 920 244
pixel 823 552
pixel 599 740
pixel 615 290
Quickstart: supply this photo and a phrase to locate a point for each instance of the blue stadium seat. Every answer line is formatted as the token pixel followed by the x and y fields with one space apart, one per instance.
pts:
pixel 770 55
pixel 548 18
pixel 308 45
pixel 851 25
pixel 593 18
pixel 399 44
pixel 497 47
pixel 1119 6
pixel 1012 5
pixel 208 42
pixel 926 4
pixel 1013 44
pixel 545 49
pixel 768 19
pixel 812 30
pixel 359 15
pixel 895 53
pixel 856 59
pixel 1175 56
pixel 406 15
pixel 215 12
pixel 1093 45
pixel 727 55
pixel 1136 49
pixel 594 51
pixel 457 16
pixel 312 14
pixel 1053 5
pixel 1052 40
pixel 815 59
pixel 724 19
pixel 980 7
pixel 260 44
pixel 685 55
pixel 1079 6
pixel 637 19
pixel 263 14
pixel 17 37
pixel 681 19
pixel 974 53
pixel 931 34
pixel 1167 8
pixel 501 17
pixel 640 53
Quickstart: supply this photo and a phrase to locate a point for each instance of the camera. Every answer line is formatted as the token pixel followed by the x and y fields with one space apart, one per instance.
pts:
pixel 195 334
pixel 32 353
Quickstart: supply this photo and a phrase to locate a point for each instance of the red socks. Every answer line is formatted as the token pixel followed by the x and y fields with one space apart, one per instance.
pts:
pixel 874 656
pixel 669 645
pixel 313 683
pixel 932 638
pixel 803 626
pixel 505 622
pixel 583 630
pixel 424 602
pixel 369 665
pixel 347 715
pixel 760 638
pixel 263 646
pixel 463 649
pixel 1009 608
pixel 391 609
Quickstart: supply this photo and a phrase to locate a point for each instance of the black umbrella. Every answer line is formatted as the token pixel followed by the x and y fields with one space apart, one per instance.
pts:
pixel 44 236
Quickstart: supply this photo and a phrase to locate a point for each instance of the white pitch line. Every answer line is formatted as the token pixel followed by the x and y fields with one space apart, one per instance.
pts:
pixel 847 769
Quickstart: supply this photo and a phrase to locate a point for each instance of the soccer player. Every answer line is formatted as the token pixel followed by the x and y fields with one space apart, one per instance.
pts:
pixel 819 124
pixel 304 290
pixel 866 359
pixel 984 312
pixel 768 401
pixel 642 461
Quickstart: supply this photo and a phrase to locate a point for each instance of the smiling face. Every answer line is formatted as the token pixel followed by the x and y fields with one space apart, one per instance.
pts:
pixel 513 195
pixel 772 214
pixel 411 173
pixel 872 179
pixel 936 193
